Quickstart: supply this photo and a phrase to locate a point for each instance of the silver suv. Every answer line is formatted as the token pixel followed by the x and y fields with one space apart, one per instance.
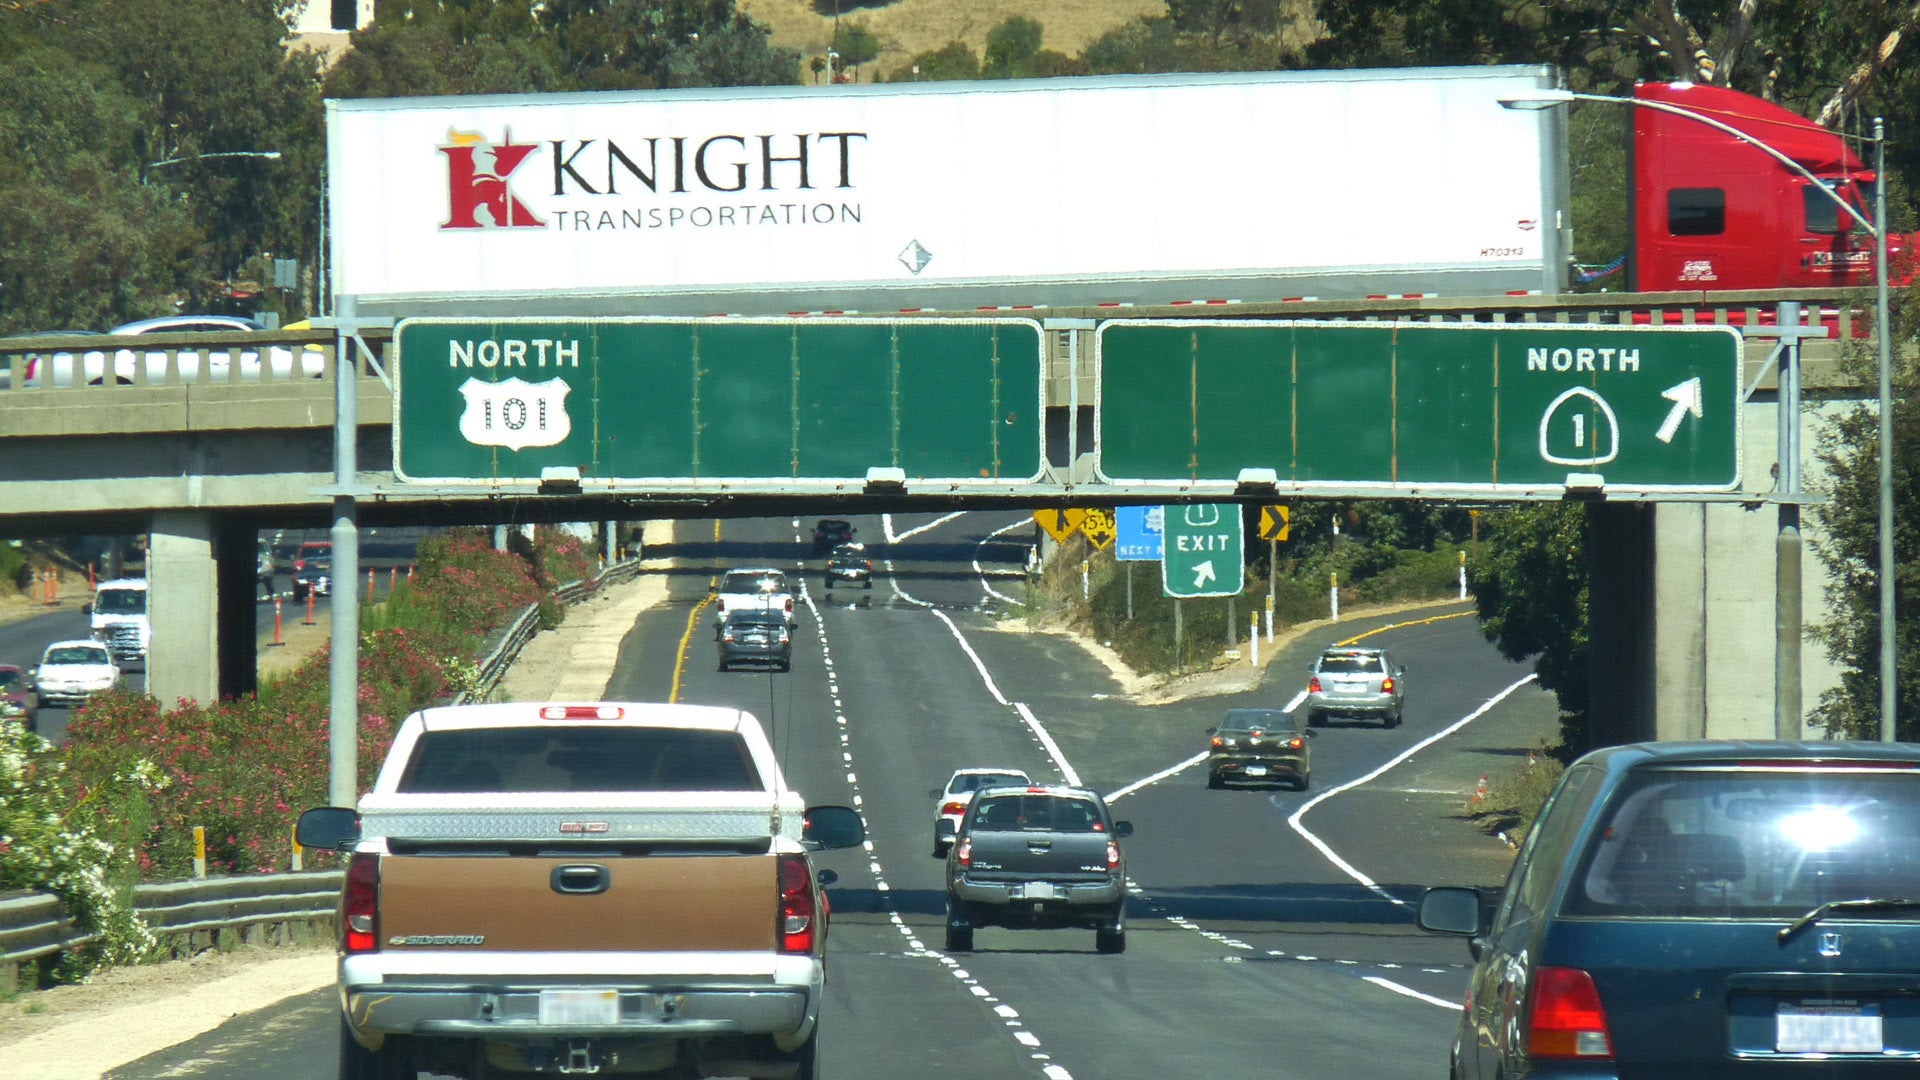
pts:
pixel 1355 681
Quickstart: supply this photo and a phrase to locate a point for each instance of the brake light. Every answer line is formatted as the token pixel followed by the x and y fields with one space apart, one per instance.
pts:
pixel 964 853
pixel 360 904
pixel 1313 685
pixel 726 636
pixel 789 605
pixel 1296 743
pixel 955 807
pixel 581 712
pixel 1568 1020
pixel 1386 685
pixel 797 925
pixel 1218 741
pixel 1113 855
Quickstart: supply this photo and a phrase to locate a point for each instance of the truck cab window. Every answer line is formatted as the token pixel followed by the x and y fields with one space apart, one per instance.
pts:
pixel 1696 211
pixel 1823 215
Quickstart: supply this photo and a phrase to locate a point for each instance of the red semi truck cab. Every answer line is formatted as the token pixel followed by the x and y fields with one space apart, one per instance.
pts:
pixel 1711 212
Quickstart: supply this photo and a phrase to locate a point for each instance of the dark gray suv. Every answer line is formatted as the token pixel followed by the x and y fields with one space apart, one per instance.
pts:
pixel 1722 909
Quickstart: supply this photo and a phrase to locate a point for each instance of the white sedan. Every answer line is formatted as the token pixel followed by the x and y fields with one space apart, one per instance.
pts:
pixel 70 672
pixel 958 795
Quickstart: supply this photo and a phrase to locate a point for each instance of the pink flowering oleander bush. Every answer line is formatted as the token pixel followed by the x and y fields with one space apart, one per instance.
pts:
pixel 243 769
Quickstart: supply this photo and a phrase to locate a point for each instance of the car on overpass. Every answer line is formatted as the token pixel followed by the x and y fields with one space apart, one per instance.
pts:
pixel 220 363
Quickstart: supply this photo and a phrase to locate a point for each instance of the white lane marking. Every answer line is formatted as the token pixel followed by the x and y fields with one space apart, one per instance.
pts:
pixel 1295 703
pixel 1046 740
pixel 991 591
pixel 1157 777
pixel 1293 820
pixel 1389 984
pixel 913 944
pixel 887 519
pixel 978 664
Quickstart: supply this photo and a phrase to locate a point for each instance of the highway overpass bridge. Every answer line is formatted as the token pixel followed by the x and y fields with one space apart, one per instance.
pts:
pixel 1684 597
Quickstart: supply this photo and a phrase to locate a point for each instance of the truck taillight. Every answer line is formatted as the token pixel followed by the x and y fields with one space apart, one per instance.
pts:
pixel 1313 685
pixel 789 605
pixel 1113 855
pixel 964 853
pixel 797 923
pixel 1568 1020
pixel 1296 743
pixel 360 904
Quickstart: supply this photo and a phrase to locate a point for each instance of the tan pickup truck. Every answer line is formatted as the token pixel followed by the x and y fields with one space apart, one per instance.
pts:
pixel 591 888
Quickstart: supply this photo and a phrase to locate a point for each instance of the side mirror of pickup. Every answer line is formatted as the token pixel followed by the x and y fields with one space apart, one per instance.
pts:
pixel 1122 829
pixel 829 827
pixel 328 828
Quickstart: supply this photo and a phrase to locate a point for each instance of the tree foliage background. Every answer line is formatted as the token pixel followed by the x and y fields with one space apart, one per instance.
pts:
pixel 110 210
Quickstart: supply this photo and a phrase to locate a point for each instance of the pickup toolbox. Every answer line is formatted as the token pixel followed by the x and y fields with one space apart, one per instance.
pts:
pixel 596 887
pixel 1036 858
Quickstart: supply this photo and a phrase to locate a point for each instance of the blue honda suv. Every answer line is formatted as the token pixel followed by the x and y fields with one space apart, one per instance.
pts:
pixel 1703 909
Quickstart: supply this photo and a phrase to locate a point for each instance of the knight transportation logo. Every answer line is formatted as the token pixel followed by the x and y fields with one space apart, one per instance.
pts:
pixel 515 413
pixel 478 194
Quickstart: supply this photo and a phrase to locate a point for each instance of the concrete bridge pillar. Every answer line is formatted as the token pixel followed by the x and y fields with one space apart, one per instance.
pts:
pixel 183 659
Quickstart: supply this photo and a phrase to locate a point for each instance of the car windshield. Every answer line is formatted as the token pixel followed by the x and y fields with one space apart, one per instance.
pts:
pixel 75 654
pixel 120 601
pixel 1348 664
pixel 976 781
pixel 1754 842
pixel 1036 813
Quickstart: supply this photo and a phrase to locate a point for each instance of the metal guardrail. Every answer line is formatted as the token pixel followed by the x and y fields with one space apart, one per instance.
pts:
pixel 34 925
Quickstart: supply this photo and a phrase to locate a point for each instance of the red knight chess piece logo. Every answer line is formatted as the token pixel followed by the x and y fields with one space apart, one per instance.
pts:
pixel 477 175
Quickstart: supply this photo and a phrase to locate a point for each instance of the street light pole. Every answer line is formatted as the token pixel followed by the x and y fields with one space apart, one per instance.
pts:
pixel 1877 228
pixel 1888 699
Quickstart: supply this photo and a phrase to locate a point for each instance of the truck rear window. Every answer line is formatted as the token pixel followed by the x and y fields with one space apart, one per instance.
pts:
pixel 581 758
pixel 1037 813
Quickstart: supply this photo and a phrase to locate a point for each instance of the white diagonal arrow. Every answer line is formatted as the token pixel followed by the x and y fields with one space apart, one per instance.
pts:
pixel 1202 573
pixel 1686 399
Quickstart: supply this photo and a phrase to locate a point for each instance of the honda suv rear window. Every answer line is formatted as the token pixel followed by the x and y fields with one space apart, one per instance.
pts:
pixel 1764 843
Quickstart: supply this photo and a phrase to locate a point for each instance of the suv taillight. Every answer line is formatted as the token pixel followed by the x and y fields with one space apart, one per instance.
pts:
pixel 1313 685
pixel 360 904
pixel 1568 1020
pixel 797 914
pixel 1386 685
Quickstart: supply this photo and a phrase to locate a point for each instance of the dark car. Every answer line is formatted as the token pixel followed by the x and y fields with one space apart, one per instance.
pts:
pixel 314 575
pixel 849 563
pixel 830 533
pixel 1722 909
pixel 1260 745
pixel 17 700
pixel 1036 858
pixel 761 637
pixel 1357 681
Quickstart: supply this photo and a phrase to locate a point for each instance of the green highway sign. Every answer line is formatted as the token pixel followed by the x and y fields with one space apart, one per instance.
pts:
pixel 633 403
pixel 1204 552
pixel 1497 407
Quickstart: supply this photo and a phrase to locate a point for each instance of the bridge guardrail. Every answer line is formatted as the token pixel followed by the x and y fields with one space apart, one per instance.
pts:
pixel 35 924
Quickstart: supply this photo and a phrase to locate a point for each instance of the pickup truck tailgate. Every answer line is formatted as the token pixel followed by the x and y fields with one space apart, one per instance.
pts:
pixel 589 903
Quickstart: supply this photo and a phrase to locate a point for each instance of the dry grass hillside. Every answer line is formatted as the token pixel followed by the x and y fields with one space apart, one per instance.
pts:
pixel 908 28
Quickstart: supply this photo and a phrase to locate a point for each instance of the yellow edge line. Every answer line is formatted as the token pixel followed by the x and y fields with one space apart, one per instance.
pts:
pixel 693 620
pixel 1399 625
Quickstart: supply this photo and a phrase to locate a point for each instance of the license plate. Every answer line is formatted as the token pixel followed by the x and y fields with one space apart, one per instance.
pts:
pixel 580 1008
pixel 1352 687
pixel 1827 1029
pixel 1256 770
pixel 1037 890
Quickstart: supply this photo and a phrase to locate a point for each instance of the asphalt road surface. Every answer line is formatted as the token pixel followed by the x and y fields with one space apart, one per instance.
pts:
pixel 1269 932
